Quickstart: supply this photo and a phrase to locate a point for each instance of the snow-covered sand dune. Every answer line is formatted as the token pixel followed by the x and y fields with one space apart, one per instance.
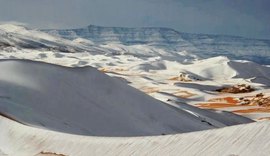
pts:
pixel 248 139
pixel 40 103
pixel 153 68
pixel 88 102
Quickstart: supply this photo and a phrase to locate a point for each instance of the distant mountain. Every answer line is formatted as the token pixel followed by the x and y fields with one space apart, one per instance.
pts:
pixel 16 37
pixel 202 45
pixel 121 35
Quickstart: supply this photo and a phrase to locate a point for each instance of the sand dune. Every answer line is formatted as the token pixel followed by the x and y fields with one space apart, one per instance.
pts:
pixel 83 95
pixel 247 139
pixel 88 102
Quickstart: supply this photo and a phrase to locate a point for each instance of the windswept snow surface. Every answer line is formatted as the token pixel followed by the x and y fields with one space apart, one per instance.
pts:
pixel 243 140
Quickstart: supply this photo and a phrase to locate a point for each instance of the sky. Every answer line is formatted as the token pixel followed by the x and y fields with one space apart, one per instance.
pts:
pixel 248 18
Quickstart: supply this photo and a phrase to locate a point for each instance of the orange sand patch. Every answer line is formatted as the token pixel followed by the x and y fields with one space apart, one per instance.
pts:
pixel 177 78
pixel 253 110
pixel 264 118
pixel 233 102
pixel 149 90
pixel 174 78
pixel 119 71
pixel 183 94
pixel 103 70
pixel 220 103
pixel 112 69
pixel 215 105
pixel 236 89
pixel 230 100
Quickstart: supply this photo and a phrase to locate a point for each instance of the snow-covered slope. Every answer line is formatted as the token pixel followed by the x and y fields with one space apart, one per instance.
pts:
pixel 203 45
pixel 86 101
pixel 155 67
pixel 37 99
pixel 243 140
pixel 16 37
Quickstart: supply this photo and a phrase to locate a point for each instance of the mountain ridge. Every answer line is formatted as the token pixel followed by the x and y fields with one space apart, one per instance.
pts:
pixel 123 41
pixel 152 27
pixel 202 45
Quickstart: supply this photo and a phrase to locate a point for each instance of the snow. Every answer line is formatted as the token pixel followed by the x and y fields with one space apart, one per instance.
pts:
pixel 21 37
pixel 203 45
pixel 87 102
pixel 249 139
pixel 76 109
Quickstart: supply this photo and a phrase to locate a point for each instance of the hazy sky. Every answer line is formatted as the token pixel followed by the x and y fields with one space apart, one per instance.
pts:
pixel 250 18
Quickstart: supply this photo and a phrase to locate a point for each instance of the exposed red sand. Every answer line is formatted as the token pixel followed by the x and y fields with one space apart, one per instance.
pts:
pixel 236 89
pixel 215 105
pixel 230 100
pixel 119 71
pixel 219 103
pixel 149 90
pixel 227 102
pixel 264 118
pixel 104 69
pixel 253 110
pixel 177 78
pixel 180 93
pixel 174 78
pixel 183 94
